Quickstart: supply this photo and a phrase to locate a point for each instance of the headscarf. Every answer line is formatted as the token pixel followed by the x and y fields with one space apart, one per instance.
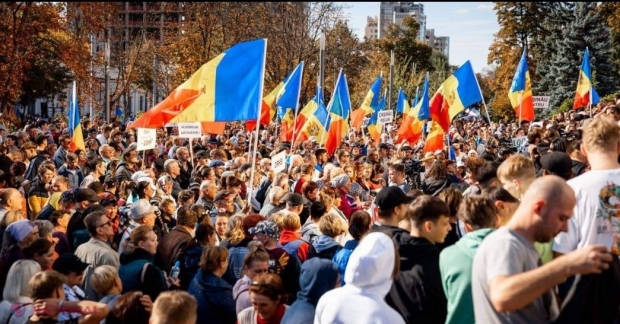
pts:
pixel 340 180
pixel 15 233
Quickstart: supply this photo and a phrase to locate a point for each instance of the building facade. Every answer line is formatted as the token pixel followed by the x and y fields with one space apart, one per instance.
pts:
pixel 372 28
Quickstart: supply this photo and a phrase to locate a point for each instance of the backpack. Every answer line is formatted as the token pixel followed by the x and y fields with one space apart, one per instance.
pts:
pixel 292 247
pixel 235 260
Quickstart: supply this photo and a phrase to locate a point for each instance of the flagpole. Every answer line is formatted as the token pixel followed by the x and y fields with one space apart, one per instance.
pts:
pixel 297 106
pixel 481 96
pixel 389 101
pixel 520 108
pixel 258 108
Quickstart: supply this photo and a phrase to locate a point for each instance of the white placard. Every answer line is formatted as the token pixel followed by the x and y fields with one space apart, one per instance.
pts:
pixel 147 138
pixel 541 102
pixel 385 116
pixel 278 162
pixel 365 122
pixel 517 141
pixel 190 130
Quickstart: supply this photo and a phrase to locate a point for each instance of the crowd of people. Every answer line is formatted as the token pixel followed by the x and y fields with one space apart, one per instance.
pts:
pixel 487 230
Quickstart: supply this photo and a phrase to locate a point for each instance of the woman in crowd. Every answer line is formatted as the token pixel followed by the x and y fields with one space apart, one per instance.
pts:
pixel 9 218
pixel 137 271
pixel 131 308
pixel 15 298
pixel 38 194
pixel 213 294
pixel 359 226
pixel 41 251
pixel 325 246
pixel 166 218
pixel 60 220
pixel 436 179
pixel 233 185
pixel 267 296
pixel 255 262
pixel 18 236
pixel 204 237
pixel 107 283
pixel 164 189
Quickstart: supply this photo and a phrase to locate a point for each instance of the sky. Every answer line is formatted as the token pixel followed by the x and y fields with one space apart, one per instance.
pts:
pixel 470 26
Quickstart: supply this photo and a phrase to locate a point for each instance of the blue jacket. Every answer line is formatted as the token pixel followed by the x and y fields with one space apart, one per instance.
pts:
pixel 75 179
pixel 152 283
pixel 215 300
pixel 318 276
pixel 341 259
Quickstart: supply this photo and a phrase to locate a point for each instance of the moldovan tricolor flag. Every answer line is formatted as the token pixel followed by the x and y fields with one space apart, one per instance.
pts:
pixel 339 107
pixel 287 102
pixel 412 126
pixel 75 127
pixel 316 117
pixel 455 94
pixel 370 104
pixel 435 138
pixel 520 93
pixel 228 88
pixel 374 127
pixel 584 85
pixel 267 109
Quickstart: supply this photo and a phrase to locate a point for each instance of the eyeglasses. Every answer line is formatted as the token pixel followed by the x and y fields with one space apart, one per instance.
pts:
pixel 109 222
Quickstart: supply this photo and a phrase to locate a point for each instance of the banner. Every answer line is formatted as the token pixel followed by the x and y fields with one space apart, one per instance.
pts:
pixel 385 116
pixel 146 138
pixel 541 102
pixel 190 130
pixel 278 162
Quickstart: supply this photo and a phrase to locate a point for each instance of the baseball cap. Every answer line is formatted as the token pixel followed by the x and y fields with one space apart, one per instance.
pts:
pixel 202 154
pixel 268 228
pixel 216 163
pixel 220 195
pixel 558 163
pixel 295 200
pixel 69 262
pixel 85 194
pixel 141 208
pixel 383 146
pixel 390 197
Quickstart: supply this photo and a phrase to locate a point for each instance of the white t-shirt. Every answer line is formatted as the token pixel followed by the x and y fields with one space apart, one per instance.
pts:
pixel 596 219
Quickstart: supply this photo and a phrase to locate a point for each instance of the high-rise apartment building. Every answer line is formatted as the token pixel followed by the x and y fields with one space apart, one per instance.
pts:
pixel 438 43
pixel 395 12
pixel 372 28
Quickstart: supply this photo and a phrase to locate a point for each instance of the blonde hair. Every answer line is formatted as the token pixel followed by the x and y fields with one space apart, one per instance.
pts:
pixel 601 134
pixel 278 219
pixel 234 232
pixel 331 225
pixel 516 166
pixel 138 234
pixel 103 279
pixel 291 222
pixel 17 279
pixel 12 216
pixel 173 307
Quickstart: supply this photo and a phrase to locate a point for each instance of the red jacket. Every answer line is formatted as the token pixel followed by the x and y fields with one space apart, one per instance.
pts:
pixel 289 236
pixel 346 204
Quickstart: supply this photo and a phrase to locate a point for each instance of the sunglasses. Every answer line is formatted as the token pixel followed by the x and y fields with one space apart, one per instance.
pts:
pixel 109 222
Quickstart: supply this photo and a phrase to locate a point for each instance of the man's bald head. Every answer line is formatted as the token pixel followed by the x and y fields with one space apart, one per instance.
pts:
pixel 546 207
pixel 11 199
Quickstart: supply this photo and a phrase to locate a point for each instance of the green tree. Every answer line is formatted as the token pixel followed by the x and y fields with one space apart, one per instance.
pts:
pixel 586 29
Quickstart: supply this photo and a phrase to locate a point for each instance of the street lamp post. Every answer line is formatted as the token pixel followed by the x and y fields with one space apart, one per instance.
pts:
pixel 107 78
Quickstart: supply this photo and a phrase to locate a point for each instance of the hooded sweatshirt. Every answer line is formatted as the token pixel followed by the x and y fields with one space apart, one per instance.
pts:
pixel 241 294
pixel 367 282
pixel 302 249
pixel 310 230
pixel 318 276
pixel 417 293
pixel 324 247
pixel 455 263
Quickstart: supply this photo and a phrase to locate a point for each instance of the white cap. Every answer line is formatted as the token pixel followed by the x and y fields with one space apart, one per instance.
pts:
pixel 312 139
pixel 460 164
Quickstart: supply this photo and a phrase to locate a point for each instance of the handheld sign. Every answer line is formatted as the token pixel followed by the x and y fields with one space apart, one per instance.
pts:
pixel 365 122
pixel 518 141
pixel 189 130
pixel 278 162
pixel 385 116
pixel 147 138
pixel 540 102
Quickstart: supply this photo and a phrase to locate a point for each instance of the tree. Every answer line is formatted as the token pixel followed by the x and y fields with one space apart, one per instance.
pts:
pixel 611 13
pixel 586 29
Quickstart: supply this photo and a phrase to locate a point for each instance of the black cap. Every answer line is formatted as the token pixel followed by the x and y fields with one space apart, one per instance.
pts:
pixel 69 262
pixel 383 146
pixel 390 197
pixel 295 200
pixel 159 165
pixel 92 131
pixel 202 154
pixel 558 163
pixel 85 194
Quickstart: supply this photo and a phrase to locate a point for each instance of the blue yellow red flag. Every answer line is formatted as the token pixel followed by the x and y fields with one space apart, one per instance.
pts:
pixel 424 110
pixel 75 126
pixel 369 105
pixel 520 93
pixel 583 95
pixel 458 92
pixel 315 118
pixel 338 107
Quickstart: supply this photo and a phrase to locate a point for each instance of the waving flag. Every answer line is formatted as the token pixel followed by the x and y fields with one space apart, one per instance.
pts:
pixel 370 104
pixel 339 107
pixel 75 127
pixel 455 94
pixel 417 97
pixel 520 93
pixel 288 101
pixel 400 104
pixel 435 138
pixel 374 127
pixel 227 88
pixel 315 118
pixel 424 110
pixel 267 110
pixel 584 85
pixel 412 127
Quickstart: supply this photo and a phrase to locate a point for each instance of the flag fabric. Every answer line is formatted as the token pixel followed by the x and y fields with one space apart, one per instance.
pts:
pixel 287 102
pixel 315 119
pixel 374 127
pixel 415 100
pixel 267 109
pixel 227 88
pixel 424 110
pixel 455 94
pixel 435 138
pixel 339 108
pixel 120 114
pixel 412 127
pixel 595 97
pixel 75 126
pixel 400 104
pixel 584 85
pixel 520 93
pixel 370 104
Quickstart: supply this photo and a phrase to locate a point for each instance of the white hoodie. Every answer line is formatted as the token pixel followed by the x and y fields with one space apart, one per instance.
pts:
pixel 368 280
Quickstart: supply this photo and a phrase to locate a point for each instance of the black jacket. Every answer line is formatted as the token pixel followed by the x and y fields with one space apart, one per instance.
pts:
pixel 417 293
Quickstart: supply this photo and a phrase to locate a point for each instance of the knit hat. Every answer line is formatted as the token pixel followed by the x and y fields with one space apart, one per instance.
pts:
pixel 268 228
pixel 340 181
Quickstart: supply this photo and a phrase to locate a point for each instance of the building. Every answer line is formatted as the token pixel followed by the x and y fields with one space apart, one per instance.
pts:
pixel 372 28
pixel 438 43
pixel 395 12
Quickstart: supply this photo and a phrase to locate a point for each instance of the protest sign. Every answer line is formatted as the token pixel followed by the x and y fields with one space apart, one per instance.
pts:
pixel 189 130
pixel 146 138
pixel 278 162
pixel 385 116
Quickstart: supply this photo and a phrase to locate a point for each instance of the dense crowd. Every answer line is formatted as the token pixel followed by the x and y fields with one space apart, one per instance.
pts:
pixel 509 223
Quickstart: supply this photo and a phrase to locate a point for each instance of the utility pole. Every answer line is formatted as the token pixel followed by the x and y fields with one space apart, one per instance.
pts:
pixel 322 58
pixel 154 80
pixel 107 77
pixel 391 80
